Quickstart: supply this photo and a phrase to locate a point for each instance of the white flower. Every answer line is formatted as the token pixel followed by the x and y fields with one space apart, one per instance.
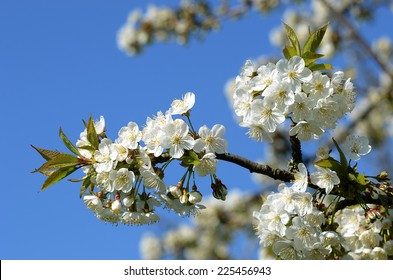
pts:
pixel 302 234
pixel 301 108
pixel 129 136
pixel 285 249
pixel 207 165
pixel 176 138
pixel 182 106
pixel 354 147
pixel 257 131
pixel 301 179
pixel 325 179
pixel 304 131
pixel 302 203
pixel 152 180
pixel 120 151
pixel 266 113
pixel 266 75
pixel 242 103
pixel 281 94
pixel 323 152
pixel 122 179
pixel 105 156
pixel 319 87
pixel 294 72
pixel 211 141
pixel 93 203
pixel 273 217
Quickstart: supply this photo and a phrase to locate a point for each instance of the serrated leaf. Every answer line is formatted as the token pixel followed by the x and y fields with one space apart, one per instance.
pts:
pixel 57 176
pixel 47 154
pixel 310 58
pixel 292 37
pixel 92 134
pixel 60 161
pixel 289 52
pixel 315 39
pixel 68 143
pixel 320 67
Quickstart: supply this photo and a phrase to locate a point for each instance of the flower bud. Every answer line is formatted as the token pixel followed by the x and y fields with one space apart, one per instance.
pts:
pixel 116 206
pixel 184 197
pixel 175 191
pixel 220 191
pixel 383 176
pixel 128 201
pixel 195 197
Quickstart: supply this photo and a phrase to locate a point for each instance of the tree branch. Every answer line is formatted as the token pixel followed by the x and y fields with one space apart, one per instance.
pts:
pixel 296 153
pixel 254 167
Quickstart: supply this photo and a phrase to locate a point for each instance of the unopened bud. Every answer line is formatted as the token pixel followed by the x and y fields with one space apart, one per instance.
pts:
pixel 116 206
pixel 184 197
pixel 175 191
pixel 383 176
pixel 128 201
pixel 195 197
pixel 220 191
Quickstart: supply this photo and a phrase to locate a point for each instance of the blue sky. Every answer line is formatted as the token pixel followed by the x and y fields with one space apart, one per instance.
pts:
pixel 59 63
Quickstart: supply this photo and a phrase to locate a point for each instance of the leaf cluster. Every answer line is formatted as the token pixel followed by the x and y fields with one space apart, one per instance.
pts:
pixel 59 165
pixel 308 51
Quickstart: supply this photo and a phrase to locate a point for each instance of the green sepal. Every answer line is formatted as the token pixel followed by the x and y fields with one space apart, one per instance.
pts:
pixel 47 154
pixel 59 161
pixel 68 143
pixel 190 159
pixel 292 37
pixel 92 134
pixel 58 175
pixel 289 52
pixel 315 39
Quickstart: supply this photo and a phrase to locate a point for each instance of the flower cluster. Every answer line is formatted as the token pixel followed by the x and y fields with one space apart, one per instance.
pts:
pixel 163 24
pixel 290 224
pixel 266 96
pixel 125 178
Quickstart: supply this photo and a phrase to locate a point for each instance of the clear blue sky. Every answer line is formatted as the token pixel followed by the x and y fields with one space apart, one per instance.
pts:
pixel 59 63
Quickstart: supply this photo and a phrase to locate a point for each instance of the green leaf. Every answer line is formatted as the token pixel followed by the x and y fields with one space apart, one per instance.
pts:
pixel 320 67
pixel 60 161
pixel 329 163
pixel 315 39
pixel 85 185
pixel 289 52
pixel 92 134
pixel 47 154
pixel 310 58
pixel 343 159
pixel 57 176
pixel 68 143
pixel 292 37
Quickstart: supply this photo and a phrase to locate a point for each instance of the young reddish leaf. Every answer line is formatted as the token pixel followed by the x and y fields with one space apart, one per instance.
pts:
pixel 47 154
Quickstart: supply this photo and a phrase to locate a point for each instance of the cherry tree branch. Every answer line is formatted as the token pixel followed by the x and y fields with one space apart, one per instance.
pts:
pixel 255 167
